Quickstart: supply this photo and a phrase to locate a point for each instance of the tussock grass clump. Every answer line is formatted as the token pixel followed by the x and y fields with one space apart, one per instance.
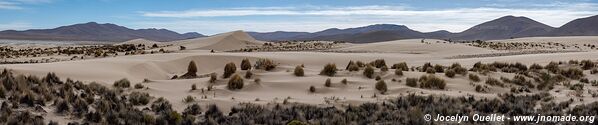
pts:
pixel 384 69
pixel 474 78
pixel 438 68
pixel 191 71
pixel 431 81
pixel 536 66
pixel 248 74
pixel 411 82
pixel 352 66
pixel 328 83
pixel 552 67
pixel 399 72
pixel 189 99
pixel 427 66
pixel 329 69
pixel 299 71
pixel 312 89
pixel 368 71
pixel 213 77
pixel 245 64
pixel 139 98
pixel 122 83
pixel 402 66
pixel 139 86
pixel 344 81
pixel 381 86
pixel 450 73
pixel 378 78
pixel 193 87
pixel 229 69
pixel 587 64
pixel 265 64
pixel 458 69
pixel 572 73
pixel 235 82
pixel 430 71
pixel 193 109
pixel 494 82
pixel 378 63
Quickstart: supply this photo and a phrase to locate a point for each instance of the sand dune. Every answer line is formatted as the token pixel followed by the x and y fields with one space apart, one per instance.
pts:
pixel 224 41
pixel 145 42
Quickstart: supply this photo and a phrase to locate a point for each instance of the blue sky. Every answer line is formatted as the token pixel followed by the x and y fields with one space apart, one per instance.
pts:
pixel 216 16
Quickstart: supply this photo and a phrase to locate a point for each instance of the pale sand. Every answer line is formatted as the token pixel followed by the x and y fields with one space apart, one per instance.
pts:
pixel 280 83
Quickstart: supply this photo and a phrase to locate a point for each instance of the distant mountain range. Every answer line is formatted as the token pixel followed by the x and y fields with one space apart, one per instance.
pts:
pixel 93 31
pixel 502 28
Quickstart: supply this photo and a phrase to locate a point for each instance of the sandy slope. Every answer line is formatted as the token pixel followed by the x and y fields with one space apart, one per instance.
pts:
pixel 415 46
pixel 145 42
pixel 280 84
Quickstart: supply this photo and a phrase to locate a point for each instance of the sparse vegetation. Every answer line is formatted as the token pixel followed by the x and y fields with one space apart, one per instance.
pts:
pixel 431 81
pixel 450 73
pixel 248 74
pixel 328 83
pixel 139 86
pixel 265 64
pixel 402 66
pixel 399 72
pixel 474 78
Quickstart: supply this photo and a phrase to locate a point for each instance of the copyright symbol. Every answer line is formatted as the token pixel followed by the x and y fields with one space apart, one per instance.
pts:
pixel 427 117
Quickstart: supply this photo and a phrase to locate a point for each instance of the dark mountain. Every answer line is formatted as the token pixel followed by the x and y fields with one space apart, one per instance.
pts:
pixel 504 28
pixel 371 33
pixel 579 27
pixel 93 31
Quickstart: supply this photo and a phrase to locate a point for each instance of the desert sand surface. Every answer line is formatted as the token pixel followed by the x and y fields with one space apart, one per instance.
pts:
pixel 280 85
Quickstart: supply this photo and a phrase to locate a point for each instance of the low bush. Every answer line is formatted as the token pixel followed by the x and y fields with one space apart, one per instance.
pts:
pixel 412 82
pixel 245 64
pixel 235 82
pixel 494 82
pixel 139 98
pixel 122 83
pixel 474 78
pixel 312 89
pixel 368 71
pixel 378 63
pixel 265 64
pixel 431 81
pixel 450 73
pixel 328 83
pixel 402 66
pixel 399 72
pixel 139 86
pixel 329 70
pixel 381 86
pixel 248 74
pixel 299 71
pixel 229 69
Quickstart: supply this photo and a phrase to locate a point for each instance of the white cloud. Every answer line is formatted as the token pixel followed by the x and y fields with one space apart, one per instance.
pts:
pixel 15 26
pixel 9 5
pixel 316 18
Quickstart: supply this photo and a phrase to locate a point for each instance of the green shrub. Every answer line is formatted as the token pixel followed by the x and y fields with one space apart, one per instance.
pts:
pixel 122 83
pixel 245 64
pixel 229 69
pixel 368 72
pixel 450 73
pixel 412 82
pixel 474 78
pixel 381 86
pixel 329 70
pixel 299 71
pixel 235 82
pixel 328 83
